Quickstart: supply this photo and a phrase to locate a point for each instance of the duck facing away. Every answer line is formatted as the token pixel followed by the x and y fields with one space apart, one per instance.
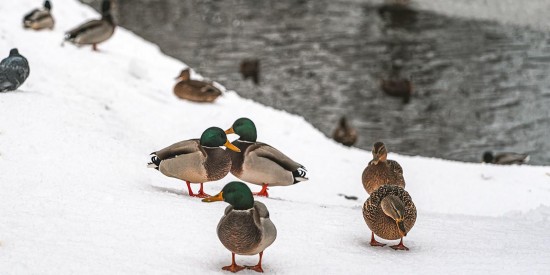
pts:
pixel 259 163
pixel 344 133
pixel 95 31
pixel 250 68
pixel 505 158
pixel 381 171
pixel 14 70
pixel 245 228
pixel 195 90
pixel 389 213
pixel 196 160
pixel 398 88
pixel 39 19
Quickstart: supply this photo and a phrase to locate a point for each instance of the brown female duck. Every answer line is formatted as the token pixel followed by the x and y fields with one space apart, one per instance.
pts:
pixel 381 171
pixel 39 19
pixel 196 160
pixel 195 90
pixel 389 213
pixel 250 68
pixel 398 88
pixel 344 133
pixel 505 158
pixel 245 227
pixel 95 31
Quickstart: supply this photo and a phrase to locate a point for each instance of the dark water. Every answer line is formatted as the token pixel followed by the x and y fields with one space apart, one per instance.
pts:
pixel 478 85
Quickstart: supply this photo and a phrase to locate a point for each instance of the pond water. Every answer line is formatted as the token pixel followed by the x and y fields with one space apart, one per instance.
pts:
pixel 478 85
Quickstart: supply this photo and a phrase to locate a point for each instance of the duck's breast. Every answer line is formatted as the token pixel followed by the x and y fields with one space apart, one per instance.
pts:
pixel 239 233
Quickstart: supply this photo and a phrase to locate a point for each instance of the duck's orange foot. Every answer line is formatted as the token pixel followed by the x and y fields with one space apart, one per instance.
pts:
pixel 233 268
pixel 376 243
pixel 257 268
pixel 263 192
pixel 200 195
pixel 399 246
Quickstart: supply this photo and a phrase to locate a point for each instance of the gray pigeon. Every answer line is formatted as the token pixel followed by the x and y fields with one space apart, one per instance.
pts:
pixel 14 70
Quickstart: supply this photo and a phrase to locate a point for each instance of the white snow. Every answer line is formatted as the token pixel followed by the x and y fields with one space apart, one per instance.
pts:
pixel 76 198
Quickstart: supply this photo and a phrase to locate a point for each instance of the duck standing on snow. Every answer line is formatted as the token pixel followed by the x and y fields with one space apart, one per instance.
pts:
pixel 39 19
pixel 95 31
pixel 195 90
pixel 505 158
pixel 196 160
pixel 389 213
pixel 344 133
pixel 259 163
pixel 14 70
pixel 381 171
pixel 245 227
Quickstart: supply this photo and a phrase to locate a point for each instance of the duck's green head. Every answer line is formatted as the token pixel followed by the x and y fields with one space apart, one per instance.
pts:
pixel 245 128
pixel 235 193
pixel 215 137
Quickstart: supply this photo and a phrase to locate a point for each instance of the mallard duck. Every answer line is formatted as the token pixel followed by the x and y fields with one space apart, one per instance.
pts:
pixel 95 31
pixel 398 87
pixel 381 171
pixel 259 163
pixel 505 158
pixel 250 68
pixel 39 19
pixel 390 214
pixel 196 160
pixel 245 227
pixel 195 90
pixel 344 133
pixel 14 70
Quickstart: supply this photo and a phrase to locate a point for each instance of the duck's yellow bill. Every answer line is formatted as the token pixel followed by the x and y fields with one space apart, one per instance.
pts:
pixel 229 131
pixel 231 146
pixel 218 197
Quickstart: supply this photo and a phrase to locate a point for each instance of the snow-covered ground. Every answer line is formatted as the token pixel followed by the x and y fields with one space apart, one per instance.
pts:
pixel 76 198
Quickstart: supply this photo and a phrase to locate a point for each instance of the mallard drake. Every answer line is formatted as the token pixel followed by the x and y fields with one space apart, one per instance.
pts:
pixel 398 87
pixel 381 171
pixel 250 68
pixel 344 133
pixel 389 213
pixel 505 158
pixel 14 70
pixel 39 19
pixel 259 163
pixel 245 227
pixel 195 90
pixel 95 31
pixel 196 160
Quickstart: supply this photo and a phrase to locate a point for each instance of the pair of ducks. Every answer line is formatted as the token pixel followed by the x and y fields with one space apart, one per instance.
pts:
pixel 245 227
pixel 389 211
pixel 92 32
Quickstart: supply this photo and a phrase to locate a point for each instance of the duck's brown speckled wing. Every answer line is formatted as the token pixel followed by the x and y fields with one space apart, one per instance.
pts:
pixel 381 224
pixel 395 167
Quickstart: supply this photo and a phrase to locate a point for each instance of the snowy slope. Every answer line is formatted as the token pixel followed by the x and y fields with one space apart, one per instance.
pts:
pixel 76 198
